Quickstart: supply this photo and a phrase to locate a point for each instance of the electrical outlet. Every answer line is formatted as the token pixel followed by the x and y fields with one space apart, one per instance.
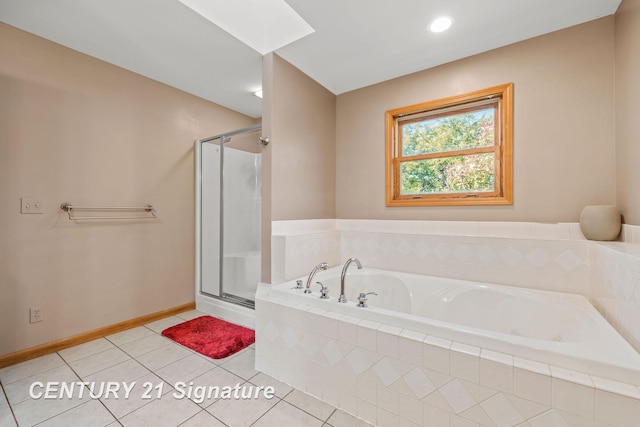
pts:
pixel 35 314
pixel 31 205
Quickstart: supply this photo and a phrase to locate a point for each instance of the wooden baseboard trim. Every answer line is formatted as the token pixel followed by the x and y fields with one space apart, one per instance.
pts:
pixel 53 346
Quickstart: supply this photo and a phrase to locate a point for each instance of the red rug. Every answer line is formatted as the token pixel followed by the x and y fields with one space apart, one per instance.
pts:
pixel 212 337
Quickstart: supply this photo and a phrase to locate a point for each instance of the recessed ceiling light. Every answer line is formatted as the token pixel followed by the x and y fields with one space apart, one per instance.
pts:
pixel 258 93
pixel 441 24
pixel 263 25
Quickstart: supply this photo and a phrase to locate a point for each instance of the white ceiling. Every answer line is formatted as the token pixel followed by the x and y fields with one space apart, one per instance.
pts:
pixel 356 43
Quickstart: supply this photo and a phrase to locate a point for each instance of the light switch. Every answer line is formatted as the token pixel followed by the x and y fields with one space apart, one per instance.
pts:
pixel 31 205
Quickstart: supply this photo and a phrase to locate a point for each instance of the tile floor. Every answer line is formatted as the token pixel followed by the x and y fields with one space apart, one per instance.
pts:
pixel 141 355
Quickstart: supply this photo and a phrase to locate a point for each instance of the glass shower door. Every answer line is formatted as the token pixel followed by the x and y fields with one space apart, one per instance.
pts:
pixel 230 205
pixel 241 213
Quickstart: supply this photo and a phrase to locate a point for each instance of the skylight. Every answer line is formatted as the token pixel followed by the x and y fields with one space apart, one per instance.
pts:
pixel 263 25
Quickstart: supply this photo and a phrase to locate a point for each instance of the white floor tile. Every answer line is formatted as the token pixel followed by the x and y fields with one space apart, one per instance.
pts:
pixel 129 335
pixel 216 361
pixel 31 367
pixel 310 404
pixel 145 345
pixel 33 411
pixel 191 314
pixel 217 377
pixel 241 413
pixel 127 371
pixel 342 419
pixel 143 392
pixel 202 419
pixel 6 418
pixel 284 414
pixel 166 411
pixel 163 356
pixel 99 361
pixel 85 350
pixel 185 369
pixel 243 364
pixel 18 391
pixel 160 325
pixel 281 389
pixel 4 404
pixel 91 414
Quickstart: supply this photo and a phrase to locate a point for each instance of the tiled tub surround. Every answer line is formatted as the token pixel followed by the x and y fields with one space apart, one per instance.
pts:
pixel 615 271
pixel 391 376
pixel 541 256
pixel 398 376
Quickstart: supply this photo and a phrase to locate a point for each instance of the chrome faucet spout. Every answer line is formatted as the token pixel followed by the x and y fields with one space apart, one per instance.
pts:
pixel 343 276
pixel 321 266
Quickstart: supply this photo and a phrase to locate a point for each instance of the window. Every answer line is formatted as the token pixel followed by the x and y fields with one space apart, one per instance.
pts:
pixel 453 151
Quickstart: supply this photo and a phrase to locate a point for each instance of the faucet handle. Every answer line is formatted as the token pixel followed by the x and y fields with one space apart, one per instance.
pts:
pixel 298 284
pixel 324 291
pixel 362 299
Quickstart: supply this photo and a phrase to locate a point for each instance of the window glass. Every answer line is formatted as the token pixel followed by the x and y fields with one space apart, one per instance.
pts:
pixel 459 174
pixel 454 151
pixel 449 133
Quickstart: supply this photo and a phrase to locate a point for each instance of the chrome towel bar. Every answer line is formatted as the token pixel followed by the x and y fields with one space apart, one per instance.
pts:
pixel 69 209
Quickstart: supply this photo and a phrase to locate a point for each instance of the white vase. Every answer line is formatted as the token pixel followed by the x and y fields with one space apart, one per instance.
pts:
pixel 600 222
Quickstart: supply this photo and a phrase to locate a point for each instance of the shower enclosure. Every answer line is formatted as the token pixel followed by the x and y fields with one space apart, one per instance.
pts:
pixel 228 212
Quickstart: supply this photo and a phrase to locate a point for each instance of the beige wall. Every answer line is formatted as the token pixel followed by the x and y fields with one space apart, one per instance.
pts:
pixel 563 138
pixel 628 110
pixel 303 171
pixel 79 130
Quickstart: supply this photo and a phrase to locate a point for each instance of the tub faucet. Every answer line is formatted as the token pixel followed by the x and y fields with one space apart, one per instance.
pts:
pixel 342 298
pixel 321 266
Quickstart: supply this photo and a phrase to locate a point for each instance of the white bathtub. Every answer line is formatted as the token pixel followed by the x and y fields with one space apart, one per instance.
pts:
pixel 563 330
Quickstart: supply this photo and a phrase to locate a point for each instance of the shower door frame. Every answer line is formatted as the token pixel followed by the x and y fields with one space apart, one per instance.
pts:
pixel 229 298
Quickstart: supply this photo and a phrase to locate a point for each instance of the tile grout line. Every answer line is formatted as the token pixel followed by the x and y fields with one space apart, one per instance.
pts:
pixel 247 381
pixel 74 407
pixel 153 372
pixel 15 420
pixel 93 373
pixel 198 413
pixel 268 410
pixel 280 399
pixel 82 379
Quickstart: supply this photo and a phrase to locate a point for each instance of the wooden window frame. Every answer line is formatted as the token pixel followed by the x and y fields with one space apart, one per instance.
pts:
pixel 503 149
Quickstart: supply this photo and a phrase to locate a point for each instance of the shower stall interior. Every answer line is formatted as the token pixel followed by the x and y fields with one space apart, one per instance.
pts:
pixel 228 214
